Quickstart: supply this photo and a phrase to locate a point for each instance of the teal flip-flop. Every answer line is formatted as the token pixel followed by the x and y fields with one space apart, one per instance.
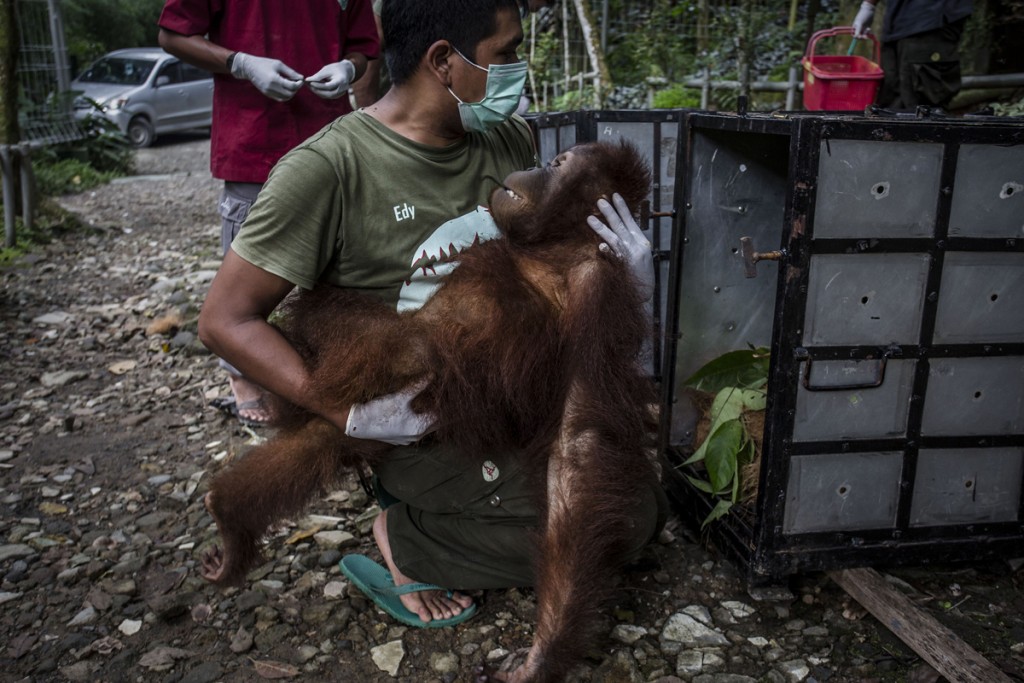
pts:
pixel 375 581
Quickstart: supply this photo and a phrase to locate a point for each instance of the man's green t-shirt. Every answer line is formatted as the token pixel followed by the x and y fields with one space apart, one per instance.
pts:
pixel 359 206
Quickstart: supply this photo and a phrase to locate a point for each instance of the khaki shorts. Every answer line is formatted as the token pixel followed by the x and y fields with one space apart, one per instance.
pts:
pixel 470 523
pixel 236 199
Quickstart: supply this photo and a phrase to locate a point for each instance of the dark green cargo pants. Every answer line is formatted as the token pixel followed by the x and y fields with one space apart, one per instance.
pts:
pixel 923 69
pixel 470 523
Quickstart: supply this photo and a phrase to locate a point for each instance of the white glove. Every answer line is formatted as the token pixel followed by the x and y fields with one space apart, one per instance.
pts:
pixel 626 241
pixel 272 77
pixel 862 22
pixel 390 419
pixel 333 80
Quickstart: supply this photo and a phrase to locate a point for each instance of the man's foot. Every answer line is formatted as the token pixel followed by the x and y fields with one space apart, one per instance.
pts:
pixel 427 605
pixel 249 400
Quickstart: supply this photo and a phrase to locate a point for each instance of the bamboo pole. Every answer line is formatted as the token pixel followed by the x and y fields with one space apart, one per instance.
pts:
pixel 602 78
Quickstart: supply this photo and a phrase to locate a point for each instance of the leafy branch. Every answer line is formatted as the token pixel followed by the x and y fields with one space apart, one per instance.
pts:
pixel 738 380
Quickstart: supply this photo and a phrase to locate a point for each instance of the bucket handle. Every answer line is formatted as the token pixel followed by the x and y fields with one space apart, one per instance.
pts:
pixel 839 31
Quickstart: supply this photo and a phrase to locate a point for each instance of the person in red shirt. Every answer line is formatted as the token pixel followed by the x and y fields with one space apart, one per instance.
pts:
pixel 282 71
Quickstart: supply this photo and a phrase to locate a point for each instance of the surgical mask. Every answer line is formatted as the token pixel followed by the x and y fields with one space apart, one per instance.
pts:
pixel 501 97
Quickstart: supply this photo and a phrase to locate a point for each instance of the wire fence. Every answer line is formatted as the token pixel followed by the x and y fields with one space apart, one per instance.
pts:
pixel 653 44
pixel 44 103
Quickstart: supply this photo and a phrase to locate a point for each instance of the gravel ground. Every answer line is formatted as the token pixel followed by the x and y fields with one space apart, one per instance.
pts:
pixel 107 444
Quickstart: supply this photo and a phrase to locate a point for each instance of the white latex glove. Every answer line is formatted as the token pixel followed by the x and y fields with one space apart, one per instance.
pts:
pixel 333 80
pixel 390 419
pixel 862 22
pixel 626 241
pixel 272 77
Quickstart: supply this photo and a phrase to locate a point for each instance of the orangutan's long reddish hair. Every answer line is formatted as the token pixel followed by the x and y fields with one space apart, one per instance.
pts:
pixel 531 343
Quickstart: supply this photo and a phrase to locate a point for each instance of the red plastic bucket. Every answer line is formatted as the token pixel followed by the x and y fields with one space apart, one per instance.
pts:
pixel 840 82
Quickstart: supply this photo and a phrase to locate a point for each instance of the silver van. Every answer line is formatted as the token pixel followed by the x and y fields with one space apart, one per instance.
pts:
pixel 146 92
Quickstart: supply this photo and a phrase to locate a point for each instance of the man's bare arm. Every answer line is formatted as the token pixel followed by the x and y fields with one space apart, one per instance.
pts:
pixel 196 50
pixel 233 324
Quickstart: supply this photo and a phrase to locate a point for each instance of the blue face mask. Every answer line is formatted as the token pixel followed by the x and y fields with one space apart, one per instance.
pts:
pixel 501 97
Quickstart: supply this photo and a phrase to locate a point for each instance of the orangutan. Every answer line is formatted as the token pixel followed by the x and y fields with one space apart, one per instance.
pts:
pixel 532 343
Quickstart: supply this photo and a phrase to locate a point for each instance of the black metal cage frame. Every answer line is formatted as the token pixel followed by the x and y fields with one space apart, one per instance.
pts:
pixel 790 146
pixel 758 539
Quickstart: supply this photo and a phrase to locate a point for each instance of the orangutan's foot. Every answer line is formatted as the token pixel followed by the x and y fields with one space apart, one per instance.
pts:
pixel 214 564
pixel 513 669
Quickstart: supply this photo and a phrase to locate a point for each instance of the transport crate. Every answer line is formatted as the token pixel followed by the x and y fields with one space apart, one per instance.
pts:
pixel 894 314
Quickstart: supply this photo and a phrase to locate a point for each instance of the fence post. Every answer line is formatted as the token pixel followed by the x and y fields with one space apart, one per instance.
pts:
pixel 28 187
pixel 7 170
pixel 791 90
pixel 705 89
pixel 60 60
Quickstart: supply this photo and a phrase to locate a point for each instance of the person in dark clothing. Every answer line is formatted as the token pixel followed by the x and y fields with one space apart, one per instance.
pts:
pixel 920 42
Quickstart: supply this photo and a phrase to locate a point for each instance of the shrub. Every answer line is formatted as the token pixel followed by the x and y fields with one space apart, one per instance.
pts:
pixel 102 154
pixel 676 97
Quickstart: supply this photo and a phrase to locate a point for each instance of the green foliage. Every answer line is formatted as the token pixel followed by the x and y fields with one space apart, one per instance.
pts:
pixel 102 154
pixel 95 27
pixel 574 99
pixel 68 176
pixel 746 368
pixel 676 97
pixel 738 379
pixel 545 54
pixel 1009 108
pixel 49 220
pixel 648 43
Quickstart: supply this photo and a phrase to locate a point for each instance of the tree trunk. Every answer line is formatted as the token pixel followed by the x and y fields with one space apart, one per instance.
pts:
pixel 8 74
pixel 591 38
pixel 745 47
pixel 812 14
pixel 703 34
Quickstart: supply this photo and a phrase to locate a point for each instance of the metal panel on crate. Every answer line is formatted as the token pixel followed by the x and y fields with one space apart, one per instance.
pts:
pixel 988 199
pixel 967 486
pixel 736 185
pixel 656 135
pixel 555 133
pixel 865 299
pixel 974 396
pixel 842 491
pixel 869 189
pixel 982 299
pixel 865 399
pixel 657 138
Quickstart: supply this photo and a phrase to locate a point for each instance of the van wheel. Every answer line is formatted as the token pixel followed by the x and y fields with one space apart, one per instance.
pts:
pixel 140 132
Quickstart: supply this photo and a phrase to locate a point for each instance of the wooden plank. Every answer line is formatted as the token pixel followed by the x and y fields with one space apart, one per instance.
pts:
pixel 933 642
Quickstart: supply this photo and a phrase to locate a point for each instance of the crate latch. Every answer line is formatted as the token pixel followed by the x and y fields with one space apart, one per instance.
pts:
pixel 751 257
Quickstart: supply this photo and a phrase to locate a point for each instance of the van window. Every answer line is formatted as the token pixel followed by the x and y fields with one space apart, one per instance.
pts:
pixel 118 71
pixel 172 70
pixel 193 73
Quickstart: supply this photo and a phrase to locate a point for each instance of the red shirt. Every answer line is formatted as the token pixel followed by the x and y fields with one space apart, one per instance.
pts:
pixel 250 131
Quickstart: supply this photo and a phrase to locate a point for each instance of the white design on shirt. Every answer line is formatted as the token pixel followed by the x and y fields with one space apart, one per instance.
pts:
pixel 438 255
